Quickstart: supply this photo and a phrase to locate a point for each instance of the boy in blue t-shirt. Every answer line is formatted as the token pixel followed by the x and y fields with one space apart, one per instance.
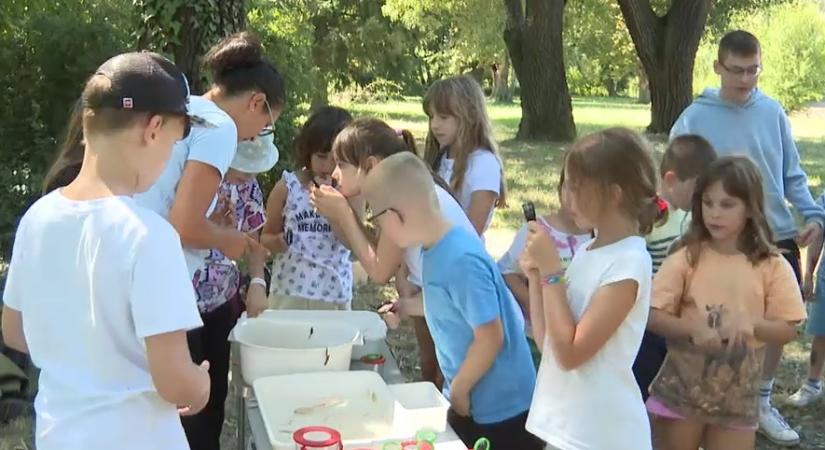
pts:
pixel 476 324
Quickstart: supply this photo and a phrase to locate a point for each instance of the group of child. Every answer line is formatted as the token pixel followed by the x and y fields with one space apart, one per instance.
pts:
pixel 681 329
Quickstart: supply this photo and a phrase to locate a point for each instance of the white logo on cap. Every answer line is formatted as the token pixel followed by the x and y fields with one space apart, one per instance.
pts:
pixel 128 103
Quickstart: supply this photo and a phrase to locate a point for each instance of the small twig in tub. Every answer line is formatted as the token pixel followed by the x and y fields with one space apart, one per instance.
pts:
pixel 311 332
pixel 326 354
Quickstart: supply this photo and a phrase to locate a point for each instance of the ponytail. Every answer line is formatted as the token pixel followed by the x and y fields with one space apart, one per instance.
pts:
pixel 653 214
pixel 409 140
pixel 69 157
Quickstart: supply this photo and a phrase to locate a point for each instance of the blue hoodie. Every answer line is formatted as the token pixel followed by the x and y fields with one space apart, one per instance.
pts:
pixel 760 130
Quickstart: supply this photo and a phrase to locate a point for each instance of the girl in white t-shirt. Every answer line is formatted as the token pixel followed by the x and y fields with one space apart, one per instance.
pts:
pixel 567 236
pixel 461 149
pixel 357 149
pixel 591 317
pixel 312 267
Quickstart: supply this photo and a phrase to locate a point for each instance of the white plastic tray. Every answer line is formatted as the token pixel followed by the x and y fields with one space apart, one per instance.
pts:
pixel 358 404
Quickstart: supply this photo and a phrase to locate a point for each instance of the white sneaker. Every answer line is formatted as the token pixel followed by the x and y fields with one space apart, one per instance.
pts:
pixel 773 426
pixel 804 396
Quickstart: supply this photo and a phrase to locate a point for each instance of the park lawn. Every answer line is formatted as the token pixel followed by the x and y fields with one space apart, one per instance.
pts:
pixel 532 173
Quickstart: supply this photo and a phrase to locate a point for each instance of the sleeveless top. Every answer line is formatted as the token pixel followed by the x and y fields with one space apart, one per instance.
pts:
pixel 317 265
pixel 218 279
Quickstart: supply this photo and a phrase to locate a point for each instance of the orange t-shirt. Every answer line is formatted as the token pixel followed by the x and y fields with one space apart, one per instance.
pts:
pixel 719 290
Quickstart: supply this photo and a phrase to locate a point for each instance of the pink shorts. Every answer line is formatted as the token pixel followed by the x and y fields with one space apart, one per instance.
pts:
pixel 658 409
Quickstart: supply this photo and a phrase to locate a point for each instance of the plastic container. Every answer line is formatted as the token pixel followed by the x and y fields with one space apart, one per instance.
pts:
pixel 357 404
pixel 317 438
pixel 373 329
pixel 270 347
pixel 374 362
pixel 422 407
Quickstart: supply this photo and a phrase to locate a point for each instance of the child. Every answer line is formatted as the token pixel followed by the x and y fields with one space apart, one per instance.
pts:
pixel 357 149
pixel 240 206
pixel 739 118
pixel 811 389
pixel 685 158
pixel 312 267
pixel 97 289
pixel 591 317
pixel 718 300
pixel 461 149
pixel 477 327
pixel 568 238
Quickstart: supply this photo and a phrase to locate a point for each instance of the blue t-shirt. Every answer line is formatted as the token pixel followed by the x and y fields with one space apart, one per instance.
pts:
pixel 463 290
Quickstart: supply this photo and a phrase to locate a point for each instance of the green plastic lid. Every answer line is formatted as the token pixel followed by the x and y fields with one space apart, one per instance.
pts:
pixel 426 435
pixel 482 444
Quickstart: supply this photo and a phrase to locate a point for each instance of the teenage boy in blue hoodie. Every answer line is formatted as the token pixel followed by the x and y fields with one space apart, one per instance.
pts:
pixel 740 119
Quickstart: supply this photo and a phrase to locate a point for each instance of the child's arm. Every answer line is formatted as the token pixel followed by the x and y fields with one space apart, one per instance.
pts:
pixel 481 203
pixel 357 206
pixel 778 332
pixel 536 307
pixel 12 326
pixel 177 379
pixel 796 186
pixel 814 254
pixel 521 291
pixel 272 236
pixel 256 296
pixel 487 342
pixel 381 261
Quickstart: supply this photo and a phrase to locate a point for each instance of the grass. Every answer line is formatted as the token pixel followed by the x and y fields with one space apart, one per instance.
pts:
pixel 532 173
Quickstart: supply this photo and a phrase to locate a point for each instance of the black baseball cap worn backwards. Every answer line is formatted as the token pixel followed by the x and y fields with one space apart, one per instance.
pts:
pixel 145 82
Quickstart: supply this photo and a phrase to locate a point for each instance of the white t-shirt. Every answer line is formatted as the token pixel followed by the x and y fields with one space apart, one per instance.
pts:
pixel 92 279
pixel 452 212
pixel 215 146
pixel 598 406
pixel 483 174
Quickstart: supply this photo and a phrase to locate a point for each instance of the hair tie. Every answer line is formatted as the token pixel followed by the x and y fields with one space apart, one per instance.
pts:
pixel 661 204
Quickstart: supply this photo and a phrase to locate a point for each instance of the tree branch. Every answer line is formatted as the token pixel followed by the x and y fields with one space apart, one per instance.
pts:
pixel 645 28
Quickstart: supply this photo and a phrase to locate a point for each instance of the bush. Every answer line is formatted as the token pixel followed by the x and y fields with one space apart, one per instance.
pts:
pixel 793 52
pixel 46 54
pixel 378 91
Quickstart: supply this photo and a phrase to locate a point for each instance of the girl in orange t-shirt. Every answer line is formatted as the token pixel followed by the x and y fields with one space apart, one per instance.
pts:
pixel 718 300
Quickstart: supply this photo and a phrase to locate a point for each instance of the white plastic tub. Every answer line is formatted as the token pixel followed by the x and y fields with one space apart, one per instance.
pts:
pixel 270 347
pixel 373 329
pixel 422 407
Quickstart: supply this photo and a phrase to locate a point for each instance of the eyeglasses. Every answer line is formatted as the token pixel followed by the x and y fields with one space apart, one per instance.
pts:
pixel 739 71
pixel 268 130
pixel 375 217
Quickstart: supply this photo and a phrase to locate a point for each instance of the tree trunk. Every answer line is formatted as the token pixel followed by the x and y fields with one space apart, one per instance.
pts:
pixel 534 42
pixel 502 91
pixel 644 86
pixel 189 32
pixel 667 48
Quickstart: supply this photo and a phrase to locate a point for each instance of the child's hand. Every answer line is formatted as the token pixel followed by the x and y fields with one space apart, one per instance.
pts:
pixel 256 254
pixel 391 313
pixel 706 338
pixel 809 233
pixel 329 202
pixel 224 213
pixel 542 249
pixel 204 384
pixel 808 287
pixel 460 400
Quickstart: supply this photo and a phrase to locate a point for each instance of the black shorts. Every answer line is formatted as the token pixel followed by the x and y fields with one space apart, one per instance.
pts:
pixel 508 434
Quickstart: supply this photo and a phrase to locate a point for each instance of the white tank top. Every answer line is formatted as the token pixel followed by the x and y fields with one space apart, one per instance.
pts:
pixel 317 265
